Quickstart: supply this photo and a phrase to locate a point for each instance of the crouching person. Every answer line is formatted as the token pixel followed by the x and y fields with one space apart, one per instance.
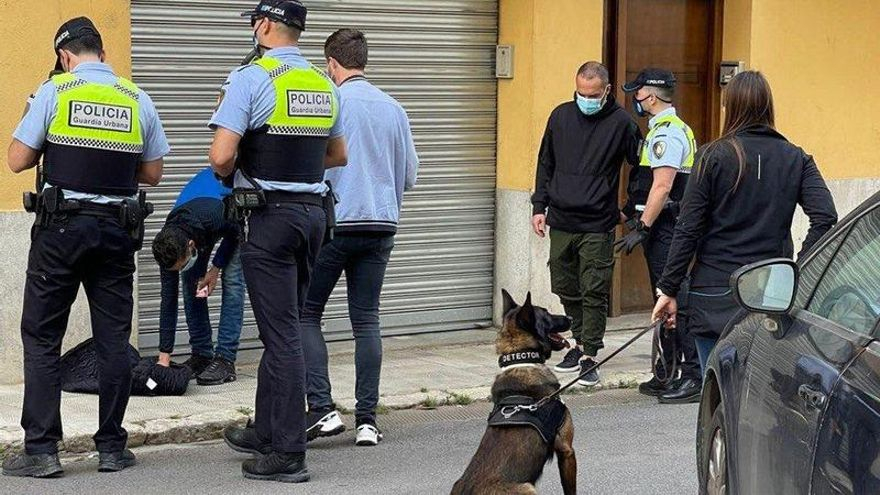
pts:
pixel 182 248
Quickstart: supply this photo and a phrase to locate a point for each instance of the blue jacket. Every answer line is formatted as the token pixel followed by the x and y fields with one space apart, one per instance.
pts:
pixel 382 161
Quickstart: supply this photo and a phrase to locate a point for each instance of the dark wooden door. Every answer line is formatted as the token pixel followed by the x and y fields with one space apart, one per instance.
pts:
pixel 682 36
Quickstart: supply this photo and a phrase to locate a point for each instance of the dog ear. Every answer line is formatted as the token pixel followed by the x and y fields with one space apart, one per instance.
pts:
pixel 509 303
pixel 525 317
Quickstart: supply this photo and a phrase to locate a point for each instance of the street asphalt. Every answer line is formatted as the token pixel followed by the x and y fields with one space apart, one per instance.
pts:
pixel 625 444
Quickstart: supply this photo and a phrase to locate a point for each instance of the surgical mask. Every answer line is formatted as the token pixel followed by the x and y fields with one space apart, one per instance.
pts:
pixel 192 260
pixel 637 106
pixel 589 106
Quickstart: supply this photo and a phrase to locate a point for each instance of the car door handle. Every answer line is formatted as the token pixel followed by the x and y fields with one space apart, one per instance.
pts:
pixel 812 397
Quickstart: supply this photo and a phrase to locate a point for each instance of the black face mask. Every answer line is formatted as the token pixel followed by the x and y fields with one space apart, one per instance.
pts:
pixel 637 106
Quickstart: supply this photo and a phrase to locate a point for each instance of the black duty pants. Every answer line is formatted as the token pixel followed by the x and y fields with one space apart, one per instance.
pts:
pixel 656 252
pixel 277 257
pixel 97 253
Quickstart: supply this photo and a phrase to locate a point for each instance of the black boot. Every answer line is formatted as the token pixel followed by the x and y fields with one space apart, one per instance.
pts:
pixel 654 387
pixel 245 440
pixel 35 466
pixel 287 468
pixel 110 462
pixel 685 391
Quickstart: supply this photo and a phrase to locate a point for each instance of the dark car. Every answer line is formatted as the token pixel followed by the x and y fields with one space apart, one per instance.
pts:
pixel 791 398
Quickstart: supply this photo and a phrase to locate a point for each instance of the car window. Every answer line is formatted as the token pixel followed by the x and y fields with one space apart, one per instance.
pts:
pixel 849 290
pixel 812 271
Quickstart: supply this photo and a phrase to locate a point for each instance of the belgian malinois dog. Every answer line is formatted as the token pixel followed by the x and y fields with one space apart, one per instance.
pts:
pixel 511 457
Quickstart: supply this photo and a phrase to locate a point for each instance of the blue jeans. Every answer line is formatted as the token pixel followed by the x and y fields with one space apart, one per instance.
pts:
pixel 196 309
pixel 363 259
pixel 704 348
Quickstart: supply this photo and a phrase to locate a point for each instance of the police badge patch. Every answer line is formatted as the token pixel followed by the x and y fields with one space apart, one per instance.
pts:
pixel 659 149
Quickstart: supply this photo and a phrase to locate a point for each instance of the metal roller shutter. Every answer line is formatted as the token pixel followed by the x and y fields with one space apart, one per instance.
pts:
pixel 436 57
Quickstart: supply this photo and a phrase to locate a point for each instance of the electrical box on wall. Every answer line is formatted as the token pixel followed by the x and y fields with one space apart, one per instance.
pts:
pixel 730 68
pixel 504 61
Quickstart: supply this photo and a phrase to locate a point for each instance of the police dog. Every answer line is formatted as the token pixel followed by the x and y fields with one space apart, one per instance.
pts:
pixel 511 458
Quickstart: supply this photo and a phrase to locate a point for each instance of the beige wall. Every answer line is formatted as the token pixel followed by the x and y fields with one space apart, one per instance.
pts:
pixel 552 38
pixel 26 57
pixel 822 59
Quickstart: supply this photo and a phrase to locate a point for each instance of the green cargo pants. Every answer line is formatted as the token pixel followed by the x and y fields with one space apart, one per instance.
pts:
pixel 581 266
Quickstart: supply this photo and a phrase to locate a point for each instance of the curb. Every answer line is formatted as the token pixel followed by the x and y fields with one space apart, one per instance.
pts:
pixel 210 426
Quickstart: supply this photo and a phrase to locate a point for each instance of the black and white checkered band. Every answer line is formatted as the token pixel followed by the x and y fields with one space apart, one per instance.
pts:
pixel 95 144
pixel 134 95
pixel 297 130
pixel 69 85
pixel 279 71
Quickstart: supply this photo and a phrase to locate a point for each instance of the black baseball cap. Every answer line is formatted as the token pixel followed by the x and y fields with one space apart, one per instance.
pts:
pixel 71 30
pixel 290 12
pixel 658 78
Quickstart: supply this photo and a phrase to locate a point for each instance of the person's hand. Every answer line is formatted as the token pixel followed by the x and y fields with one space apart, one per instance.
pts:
pixel 209 282
pixel 539 222
pixel 164 359
pixel 665 309
pixel 635 237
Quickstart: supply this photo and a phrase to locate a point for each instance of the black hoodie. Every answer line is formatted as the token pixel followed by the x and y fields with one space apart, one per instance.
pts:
pixel 579 166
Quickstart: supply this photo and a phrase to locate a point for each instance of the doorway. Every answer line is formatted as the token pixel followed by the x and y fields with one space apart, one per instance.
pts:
pixel 683 36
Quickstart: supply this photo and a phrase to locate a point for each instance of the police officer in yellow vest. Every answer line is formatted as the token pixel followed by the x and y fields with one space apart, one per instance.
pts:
pixel 656 187
pixel 99 136
pixel 276 130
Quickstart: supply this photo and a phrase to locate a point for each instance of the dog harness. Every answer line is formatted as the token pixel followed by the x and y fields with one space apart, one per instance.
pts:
pixel 519 410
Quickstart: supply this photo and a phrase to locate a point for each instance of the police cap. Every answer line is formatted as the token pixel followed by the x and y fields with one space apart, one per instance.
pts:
pixel 658 78
pixel 290 12
pixel 71 30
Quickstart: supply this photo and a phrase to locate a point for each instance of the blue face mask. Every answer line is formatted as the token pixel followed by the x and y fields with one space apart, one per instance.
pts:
pixel 589 106
pixel 191 262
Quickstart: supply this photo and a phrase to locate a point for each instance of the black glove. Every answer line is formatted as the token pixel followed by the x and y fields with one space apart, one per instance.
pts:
pixel 635 237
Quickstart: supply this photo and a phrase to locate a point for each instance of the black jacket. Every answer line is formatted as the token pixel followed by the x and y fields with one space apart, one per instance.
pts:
pixel 728 225
pixel 579 163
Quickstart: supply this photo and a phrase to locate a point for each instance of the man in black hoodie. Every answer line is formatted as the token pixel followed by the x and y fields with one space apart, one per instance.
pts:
pixel 576 186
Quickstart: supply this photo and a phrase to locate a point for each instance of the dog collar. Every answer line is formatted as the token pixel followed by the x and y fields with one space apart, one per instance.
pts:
pixel 528 356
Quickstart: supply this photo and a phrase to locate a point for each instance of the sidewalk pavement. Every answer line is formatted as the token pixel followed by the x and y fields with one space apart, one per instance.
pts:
pixel 426 370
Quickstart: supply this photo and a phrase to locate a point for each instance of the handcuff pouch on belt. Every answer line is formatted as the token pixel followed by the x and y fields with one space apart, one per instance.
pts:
pixel 330 201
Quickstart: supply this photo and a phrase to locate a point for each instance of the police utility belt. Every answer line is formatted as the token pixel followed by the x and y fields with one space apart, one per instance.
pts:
pixel 130 213
pixel 244 200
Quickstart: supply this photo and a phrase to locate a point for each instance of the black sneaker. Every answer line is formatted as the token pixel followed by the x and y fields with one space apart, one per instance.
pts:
pixel 111 462
pixel 197 364
pixel 287 468
pixel 220 371
pixel 323 423
pixel 245 440
pixel 590 378
pixel 35 466
pixel 571 362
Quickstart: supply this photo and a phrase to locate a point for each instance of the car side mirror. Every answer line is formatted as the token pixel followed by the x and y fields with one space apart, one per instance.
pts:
pixel 767 286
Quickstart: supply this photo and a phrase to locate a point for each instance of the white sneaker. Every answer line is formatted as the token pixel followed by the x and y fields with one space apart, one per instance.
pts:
pixel 368 435
pixel 324 425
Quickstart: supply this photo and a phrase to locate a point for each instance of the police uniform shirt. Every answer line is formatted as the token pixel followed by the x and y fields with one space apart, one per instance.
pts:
pixel 43 107
pixel 247 100
pixel 669 146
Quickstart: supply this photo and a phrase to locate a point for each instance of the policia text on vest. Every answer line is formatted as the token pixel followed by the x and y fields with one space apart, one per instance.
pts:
pixel 292 112
pixel 99 136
